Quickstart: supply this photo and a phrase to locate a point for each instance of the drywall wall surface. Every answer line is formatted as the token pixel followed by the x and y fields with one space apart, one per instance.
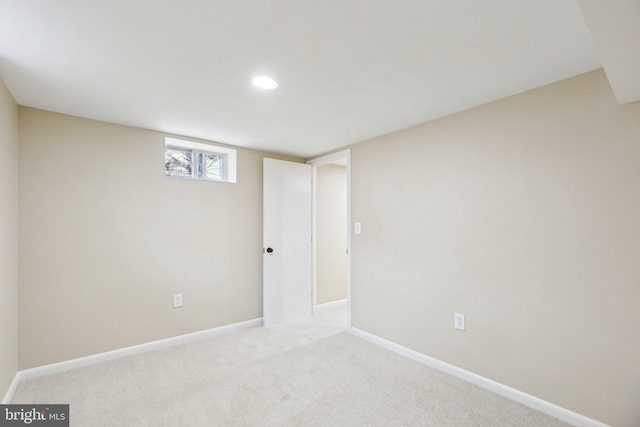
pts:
pixel 107 239
pixel 8 238
pixel 523 215
pixel 331 218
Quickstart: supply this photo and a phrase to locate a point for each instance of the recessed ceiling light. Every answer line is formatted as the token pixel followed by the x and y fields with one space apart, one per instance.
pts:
pixel 264 82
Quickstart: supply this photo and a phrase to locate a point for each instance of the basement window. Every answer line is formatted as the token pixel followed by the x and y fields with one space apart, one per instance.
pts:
pixel 194 160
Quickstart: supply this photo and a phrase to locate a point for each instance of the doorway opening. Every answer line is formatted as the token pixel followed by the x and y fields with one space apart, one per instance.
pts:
pixel 331 233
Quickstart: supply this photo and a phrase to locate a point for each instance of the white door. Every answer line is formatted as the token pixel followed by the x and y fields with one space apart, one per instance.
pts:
pixel 287 259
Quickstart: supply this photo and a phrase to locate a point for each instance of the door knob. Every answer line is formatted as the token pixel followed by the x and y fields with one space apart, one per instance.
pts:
pixel 269 250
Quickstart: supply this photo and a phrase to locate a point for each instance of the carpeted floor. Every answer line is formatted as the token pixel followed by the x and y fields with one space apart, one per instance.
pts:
pixel 306 373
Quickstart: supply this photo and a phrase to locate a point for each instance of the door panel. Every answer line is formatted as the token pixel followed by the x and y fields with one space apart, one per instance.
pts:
pixel 287 259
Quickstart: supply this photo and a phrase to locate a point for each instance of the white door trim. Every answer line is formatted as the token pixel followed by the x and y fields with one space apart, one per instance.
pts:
pixel 329 158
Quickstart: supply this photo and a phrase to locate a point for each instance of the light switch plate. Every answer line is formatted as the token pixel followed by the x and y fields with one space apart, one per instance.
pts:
pixel 357 228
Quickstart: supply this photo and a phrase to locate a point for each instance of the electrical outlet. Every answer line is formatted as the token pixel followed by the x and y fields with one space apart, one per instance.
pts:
pixel 458 321
pixel 177 300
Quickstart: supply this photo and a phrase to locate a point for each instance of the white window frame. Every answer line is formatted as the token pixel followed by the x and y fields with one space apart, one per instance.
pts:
pixel 230 158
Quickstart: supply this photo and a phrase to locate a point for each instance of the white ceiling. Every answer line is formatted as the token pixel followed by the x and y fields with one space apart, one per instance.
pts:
pixel 615 27
pixel 348 70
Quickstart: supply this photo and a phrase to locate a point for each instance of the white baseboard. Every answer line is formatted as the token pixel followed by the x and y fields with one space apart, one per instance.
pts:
pixel 127 351
pixel 548 408
pixel 330 305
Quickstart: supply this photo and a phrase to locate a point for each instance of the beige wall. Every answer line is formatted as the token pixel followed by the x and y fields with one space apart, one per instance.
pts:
pixel 523 215
pixel 106 240
pixel 8 239
pixel 331 214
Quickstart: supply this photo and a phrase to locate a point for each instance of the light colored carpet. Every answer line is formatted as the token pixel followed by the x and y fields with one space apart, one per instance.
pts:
pixel 306 373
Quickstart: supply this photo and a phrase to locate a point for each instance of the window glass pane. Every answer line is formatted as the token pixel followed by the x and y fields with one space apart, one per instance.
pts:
pixel 213 165
pixel 178 162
